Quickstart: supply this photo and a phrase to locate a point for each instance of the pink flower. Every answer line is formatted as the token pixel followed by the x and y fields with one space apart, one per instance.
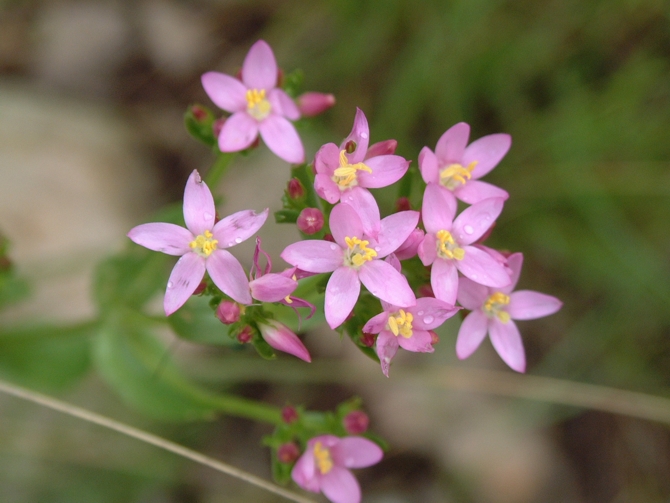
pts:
pixel 354 259
pixel 457 166
pixel 201 246
pixel 257 106
pixel 493 310
pixel 281 338
pixel 324 466
pixel 448 243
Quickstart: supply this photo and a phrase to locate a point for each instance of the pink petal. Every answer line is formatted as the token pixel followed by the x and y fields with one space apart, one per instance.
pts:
pixel 427 250
pixel 487 151
pixel 344 222
pixel 438 209
pixel 238 227
pixel 283 105
pixel 184 279
pixel 444 280
pixel 528 305
pixel 395 229
pixel 386 169
pixel 314 255
pixel 227 274
pixel 238 132
pixel 377 323
pixel 304 471
pixel 365 205
pixel 356 452
pixel 167 238
pixel 428 165
pixel 282 139
pixel 311 103
pixel 472 295
pixel 340 486
pixel 199 210
pixel 451 145
pixel 474 221
pixel 327 188
pixel 386 147
pixel 410 246
pixel 433 311
pixel 514 263
pixel 471 334
pixel 226 92
pixel 341 295
pixel 259 70
pixel 480 267
pixel 387 347
pixel 281 338
pixel 385 283
pixel 360 134
pixel 506 340
pixel 420 342
pixel 272 287
pixel 327 159
pixel 474 191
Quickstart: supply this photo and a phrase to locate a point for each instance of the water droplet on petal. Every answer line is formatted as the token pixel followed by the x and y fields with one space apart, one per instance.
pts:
pixel 333 247
pixel 474 276
pixel 420 313
pixel 170 284
pixel 364 135
pixel 468 229
pixel 231 244
pixel 208 216
pixel 238 240
pixel 428 319
pixel 377 248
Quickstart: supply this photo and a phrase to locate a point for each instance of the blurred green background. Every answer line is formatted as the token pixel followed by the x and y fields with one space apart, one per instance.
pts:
pixel 583 87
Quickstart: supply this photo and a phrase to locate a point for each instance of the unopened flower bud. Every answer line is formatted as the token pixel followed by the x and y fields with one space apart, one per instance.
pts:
pixel 409 248
pixel 356 422
pixel 200 288
pixel 288 452
pixel 199 113
pixel 368 340
pixel 310 220
pixel 217 126
pixel 402 204
pixel 245 335
pixel 228 312
pixel 281 338
pixel 386 147
pixel 434 338
pixel 295 189
pixel 329 237
pixel 311 104
pixel 289 414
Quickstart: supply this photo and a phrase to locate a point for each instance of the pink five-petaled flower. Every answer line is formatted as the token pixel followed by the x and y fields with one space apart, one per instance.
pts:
pixel 353 259
pixel 324 466
pixel 457 166
pixel 448 247
pixel 257 106
pixel 493 310
pixel 201 246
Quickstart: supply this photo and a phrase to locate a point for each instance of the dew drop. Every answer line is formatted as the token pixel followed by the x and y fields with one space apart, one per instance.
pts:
pixel 364 135
pixel 377 248
pixel 428 319
pixel 468 229
pixel 420 313
pixel 238 240
pixel 170 284
pixel 474 276
pixel 333 247
pixel 231 244
pixel 208 216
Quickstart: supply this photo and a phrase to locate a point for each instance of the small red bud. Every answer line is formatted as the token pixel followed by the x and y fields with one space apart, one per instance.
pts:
pixel 245 335
pixel 295 189
pixel 434 338
pixel 402 204
pixel 289 414
pixel 426 291
pixel 288 453
pixel 228 312
pixel 217 126
pixel 356 422
pixel 200 288
pixel 310 220
pixel 368 340
pixel 329 237
pixel 199 113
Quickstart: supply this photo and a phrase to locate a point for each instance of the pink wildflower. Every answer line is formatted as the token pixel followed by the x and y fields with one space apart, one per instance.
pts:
pixel 325 464
pixel 201 246
pixel 354 259
pixel 448 243
pixel 493 310
pixel 457 166
pixel 257 106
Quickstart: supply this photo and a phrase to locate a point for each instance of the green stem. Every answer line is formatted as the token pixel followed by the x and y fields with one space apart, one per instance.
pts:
pixel 219 168
pixel 244 407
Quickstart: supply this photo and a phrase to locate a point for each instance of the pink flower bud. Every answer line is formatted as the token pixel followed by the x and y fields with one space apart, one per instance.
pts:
pixel 289 414
pixel 281 338
pixel 368 340
pixel 386 147
pixel 217 126
pixel 228 312
pixel 310 220
pixel 402 204
pixel 410 246
pixel 356 422
pixel 199 113
pixel 200 288
pixel 329 237
pixel 311 104
pixel 245 335
pixel 434 338
pixel 288 453
pixel 295 189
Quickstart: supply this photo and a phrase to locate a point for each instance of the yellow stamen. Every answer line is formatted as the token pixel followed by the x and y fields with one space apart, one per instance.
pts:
pixel 358 252
pixel 447 247
pixel 257 106
pixel 345 176
pixel 400 323
pixel 323 459
pixel 494 306
pixel 455 175
pixel 204 245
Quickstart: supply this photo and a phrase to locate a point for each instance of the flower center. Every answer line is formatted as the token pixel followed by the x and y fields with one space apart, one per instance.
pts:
pixel 323 460
pixel 455 175
pixel 345 176
pixel 358 252
pixel 204 245
pixel 495 306
pixel 447 247
pixel 257 106
pixel 400 323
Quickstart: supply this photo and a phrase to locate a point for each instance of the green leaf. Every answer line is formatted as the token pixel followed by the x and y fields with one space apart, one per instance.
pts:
pixel 13 288
pixel 195 321
pixel 286 216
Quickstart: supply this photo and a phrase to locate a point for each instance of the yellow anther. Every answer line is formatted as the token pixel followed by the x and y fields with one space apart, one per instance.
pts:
pixel 400 323
pixel 447 247
pixel 346 175
pixel 494 306
pixel 204 245
pixel 257 106
pixel 358 252
pixel 323 459
pixel 455 175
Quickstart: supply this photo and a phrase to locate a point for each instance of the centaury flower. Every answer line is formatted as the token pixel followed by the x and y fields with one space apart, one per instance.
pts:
pixel 201 246
pixel 457 166
pixel 257 106
pixel 324 466
pixel 493 310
